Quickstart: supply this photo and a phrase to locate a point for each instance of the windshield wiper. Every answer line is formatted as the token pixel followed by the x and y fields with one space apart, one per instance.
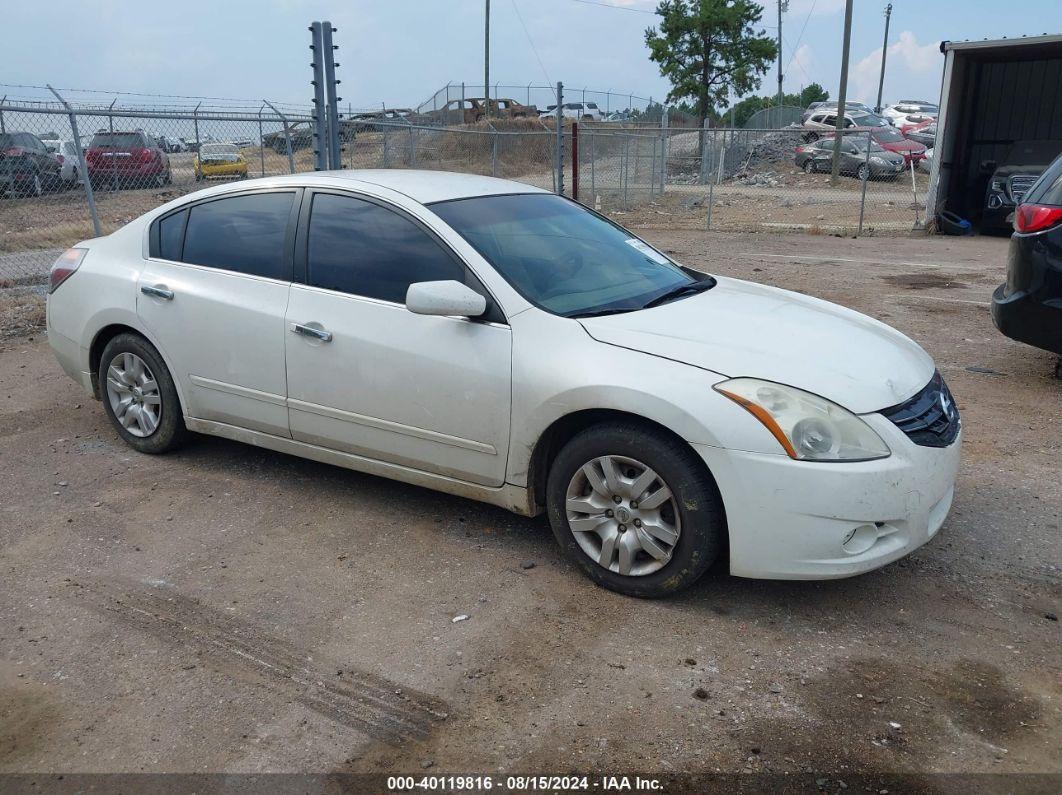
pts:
pixel 691 288
pixel 603 312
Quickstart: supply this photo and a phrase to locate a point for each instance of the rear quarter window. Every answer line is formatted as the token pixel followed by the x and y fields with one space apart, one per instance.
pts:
pixel 1047 189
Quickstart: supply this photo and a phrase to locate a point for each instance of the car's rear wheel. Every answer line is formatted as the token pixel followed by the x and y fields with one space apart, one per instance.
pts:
pixel 139 395
pixel 35 188
pixel 809 166
pixel 635 509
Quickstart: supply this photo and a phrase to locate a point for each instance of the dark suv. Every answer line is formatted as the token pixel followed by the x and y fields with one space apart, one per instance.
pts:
pixel 1028 306
pixel 1010 179
pixel 130 158
pixel 26 165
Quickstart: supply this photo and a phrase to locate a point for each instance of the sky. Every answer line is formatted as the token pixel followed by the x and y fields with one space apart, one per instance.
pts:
pixel 400 51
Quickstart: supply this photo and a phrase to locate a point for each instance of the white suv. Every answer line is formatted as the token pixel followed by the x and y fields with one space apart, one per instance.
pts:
pixel 910 112
pixel 493 340
pixel 580 111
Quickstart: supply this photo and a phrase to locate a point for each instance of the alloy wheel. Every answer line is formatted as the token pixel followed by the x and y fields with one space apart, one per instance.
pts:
pixel 623 515
pixel 134 394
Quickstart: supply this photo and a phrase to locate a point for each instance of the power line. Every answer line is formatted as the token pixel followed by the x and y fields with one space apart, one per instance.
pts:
pixel 617 8
pixel 799 38
pixel 534 49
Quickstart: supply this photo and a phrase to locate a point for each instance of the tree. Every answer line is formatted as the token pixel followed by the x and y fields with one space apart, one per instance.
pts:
pixel 744 109
pixel 707 48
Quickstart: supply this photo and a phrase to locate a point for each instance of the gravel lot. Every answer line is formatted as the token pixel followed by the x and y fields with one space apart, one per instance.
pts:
pixel 232 609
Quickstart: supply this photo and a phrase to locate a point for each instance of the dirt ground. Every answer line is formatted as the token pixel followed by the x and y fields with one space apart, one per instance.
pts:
pixel 231 609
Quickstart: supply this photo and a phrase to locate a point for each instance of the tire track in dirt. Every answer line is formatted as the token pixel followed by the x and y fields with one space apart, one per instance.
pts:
pixel 361 700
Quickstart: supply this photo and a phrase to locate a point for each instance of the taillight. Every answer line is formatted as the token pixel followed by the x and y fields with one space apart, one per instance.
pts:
pixel 13 151
pixel 60 159
pixel 1036 217
pixel 64 267
pixel 146 155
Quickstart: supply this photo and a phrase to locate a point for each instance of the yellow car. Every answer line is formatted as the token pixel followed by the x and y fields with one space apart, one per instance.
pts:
pixel 219 160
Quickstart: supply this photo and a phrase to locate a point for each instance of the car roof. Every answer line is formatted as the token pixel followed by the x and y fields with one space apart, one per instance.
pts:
pixel 420 185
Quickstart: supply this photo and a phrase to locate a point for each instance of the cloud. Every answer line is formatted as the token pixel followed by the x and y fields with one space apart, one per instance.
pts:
pixel 801 66
pixel 911 68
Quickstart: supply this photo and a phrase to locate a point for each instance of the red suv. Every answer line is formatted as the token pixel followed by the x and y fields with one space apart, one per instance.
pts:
pixel 891 140
pixel 131 158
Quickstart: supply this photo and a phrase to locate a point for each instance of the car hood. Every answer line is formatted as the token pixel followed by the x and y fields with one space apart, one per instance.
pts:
pixel 904 146
pixel 740 328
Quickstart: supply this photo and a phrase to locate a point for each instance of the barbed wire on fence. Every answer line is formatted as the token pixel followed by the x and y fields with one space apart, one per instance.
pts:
pixel 712 178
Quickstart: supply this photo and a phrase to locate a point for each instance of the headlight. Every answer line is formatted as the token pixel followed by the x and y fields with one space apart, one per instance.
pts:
pixel 998 184
pixel 877 161
pixel 808 427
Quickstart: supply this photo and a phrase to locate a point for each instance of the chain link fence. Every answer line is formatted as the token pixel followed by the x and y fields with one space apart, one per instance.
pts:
pixel 768 180
pixel 715 178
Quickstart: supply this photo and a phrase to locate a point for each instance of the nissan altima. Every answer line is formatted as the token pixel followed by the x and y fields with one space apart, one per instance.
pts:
pixel 492 340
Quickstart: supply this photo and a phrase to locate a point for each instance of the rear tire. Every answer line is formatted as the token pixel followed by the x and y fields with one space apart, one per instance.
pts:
pixel 809 167
pixel 133 378
pixel 674 540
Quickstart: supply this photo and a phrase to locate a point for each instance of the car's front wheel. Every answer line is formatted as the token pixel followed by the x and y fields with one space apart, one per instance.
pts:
pixel 139 395
pixel 809 166
pixel 635 509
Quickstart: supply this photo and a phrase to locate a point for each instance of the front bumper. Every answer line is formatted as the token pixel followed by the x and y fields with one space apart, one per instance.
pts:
pixel 799 520
pixel 1022 317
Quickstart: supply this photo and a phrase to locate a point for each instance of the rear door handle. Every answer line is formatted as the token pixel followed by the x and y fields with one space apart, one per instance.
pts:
pixel 310 331
pixel 157 292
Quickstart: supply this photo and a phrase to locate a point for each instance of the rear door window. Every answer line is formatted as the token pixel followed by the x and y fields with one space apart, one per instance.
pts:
pixel 245 234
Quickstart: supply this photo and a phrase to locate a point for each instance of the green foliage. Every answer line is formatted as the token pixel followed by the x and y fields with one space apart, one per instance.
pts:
pixel 709 48
pixel 744 109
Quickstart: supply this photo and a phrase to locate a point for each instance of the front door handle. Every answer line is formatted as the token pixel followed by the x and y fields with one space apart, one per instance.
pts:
pixel 310 331
pixel 157 292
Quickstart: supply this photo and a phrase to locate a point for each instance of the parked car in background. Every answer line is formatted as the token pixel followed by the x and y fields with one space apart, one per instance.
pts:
pixel 660 417
pixel 300 134
pixel 1028 306
pixel 172 144
pixel 27 167
pixel 889 139
pixel 910 112
pixel 854 160
pixel 924 132
pixel 365 120
pixel 66 153
pixel 473 109
pixel 831 104
pixel 1011 178
pixel 242 143
pixel 822 120
pixel 127 158
pixel 579 111
pixel 926 164
pixel 219 160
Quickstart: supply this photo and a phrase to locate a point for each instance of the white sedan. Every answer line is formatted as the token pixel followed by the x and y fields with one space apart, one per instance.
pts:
pixel 493 340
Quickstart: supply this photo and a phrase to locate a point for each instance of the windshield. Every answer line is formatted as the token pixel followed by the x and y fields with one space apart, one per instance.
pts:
pixel 889 136
pixel 561 256
pixel 219 150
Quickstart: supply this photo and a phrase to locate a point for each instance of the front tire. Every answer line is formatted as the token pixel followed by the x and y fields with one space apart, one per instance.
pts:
pixel 635 509
pixel 139 395
pixel 863 172
pixel 809 166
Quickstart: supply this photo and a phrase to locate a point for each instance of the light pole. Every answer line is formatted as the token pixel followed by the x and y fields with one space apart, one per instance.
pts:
pixel 486 59
pixel 884 52
pixel 842 91
pixel 783 5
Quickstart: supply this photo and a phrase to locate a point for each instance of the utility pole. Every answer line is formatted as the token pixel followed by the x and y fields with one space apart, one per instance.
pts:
pixel 842 91
pixel 884 51
pixel 783 5
pixel 486 59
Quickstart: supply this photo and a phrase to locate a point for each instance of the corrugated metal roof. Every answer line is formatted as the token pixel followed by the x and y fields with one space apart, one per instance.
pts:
pixel 1018 41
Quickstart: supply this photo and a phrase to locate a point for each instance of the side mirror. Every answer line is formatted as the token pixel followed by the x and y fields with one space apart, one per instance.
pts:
pixel 449 298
